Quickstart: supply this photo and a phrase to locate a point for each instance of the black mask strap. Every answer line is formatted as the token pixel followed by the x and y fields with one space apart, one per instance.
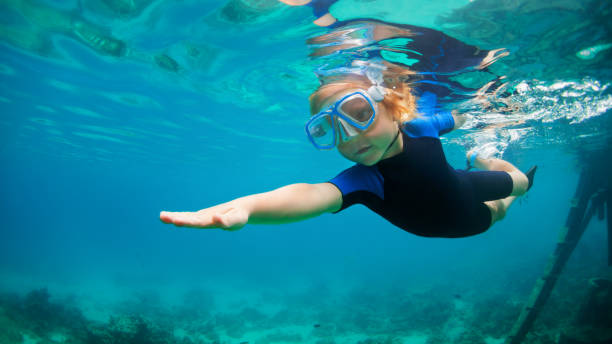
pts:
pixel 392 142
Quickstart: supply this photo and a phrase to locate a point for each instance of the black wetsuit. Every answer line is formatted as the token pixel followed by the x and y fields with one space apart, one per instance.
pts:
pixel 418 191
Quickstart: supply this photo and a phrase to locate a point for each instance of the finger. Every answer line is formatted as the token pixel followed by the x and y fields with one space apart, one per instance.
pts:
pixel 191 220
pixel 165 216
pixel 186 219
pixel 170 217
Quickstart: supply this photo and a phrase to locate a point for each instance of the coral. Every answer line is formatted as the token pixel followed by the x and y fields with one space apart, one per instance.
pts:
pixel 380 340
pixel 442 316
pixel 592 320
pixel 323 331
pixel 237 324
pixel 421 312
pixel 495 315
pixel 41 316
pixel 437 337
pixel 325 341
pixel 470 337
pixel 128 330
pixel 289 316
pixel 282 337
pixel 367 321
pixel 9 332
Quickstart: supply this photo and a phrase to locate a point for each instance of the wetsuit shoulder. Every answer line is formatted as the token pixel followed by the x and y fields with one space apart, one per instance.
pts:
pixel 358 182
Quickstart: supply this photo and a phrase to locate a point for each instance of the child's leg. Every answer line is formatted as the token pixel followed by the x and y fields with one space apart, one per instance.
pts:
pixel 499 208
pixel 520 184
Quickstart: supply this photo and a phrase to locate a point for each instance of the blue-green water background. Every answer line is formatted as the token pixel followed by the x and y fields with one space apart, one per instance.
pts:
pixel 93 146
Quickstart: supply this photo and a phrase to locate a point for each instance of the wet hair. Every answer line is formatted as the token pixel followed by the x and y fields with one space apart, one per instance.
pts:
pixel 399 100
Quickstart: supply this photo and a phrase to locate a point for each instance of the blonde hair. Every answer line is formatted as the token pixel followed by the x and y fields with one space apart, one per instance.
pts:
pixel 399 100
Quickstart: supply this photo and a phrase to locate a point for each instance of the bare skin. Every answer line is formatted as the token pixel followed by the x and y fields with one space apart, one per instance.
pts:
pixel 301 201
pixel 296 202
pixel 290 203
pixel 520 183
pixel 295 2
pixel 325 20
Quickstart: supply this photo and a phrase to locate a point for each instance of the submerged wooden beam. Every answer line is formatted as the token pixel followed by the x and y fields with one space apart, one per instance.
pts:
pixel 577 221
pixel 609 214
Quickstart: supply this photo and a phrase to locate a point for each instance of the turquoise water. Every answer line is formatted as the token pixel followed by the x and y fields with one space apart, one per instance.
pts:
pixel 115 110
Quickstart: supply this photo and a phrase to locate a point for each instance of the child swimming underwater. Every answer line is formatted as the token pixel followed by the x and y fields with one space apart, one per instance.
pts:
pixel 401 171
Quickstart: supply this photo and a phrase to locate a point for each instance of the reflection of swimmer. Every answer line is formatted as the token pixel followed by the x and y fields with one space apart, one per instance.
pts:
pixel 43 21
pixel 130 8
pixel 434 56
pixel 320 9
pixel 96 39
pixel 401 172
pixel 248 11
pixel 425 50
pixel 436 60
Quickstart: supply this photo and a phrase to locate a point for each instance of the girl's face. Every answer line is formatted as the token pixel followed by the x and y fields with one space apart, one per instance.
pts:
pixel 371 145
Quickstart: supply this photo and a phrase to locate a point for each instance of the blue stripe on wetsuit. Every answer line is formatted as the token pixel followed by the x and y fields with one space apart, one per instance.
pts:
pixel 430 124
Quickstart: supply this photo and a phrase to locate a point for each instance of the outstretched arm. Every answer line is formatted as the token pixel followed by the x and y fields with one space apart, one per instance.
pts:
pixel 290 203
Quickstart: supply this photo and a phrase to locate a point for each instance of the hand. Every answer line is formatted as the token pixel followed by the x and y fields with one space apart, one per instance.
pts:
pixel 228 218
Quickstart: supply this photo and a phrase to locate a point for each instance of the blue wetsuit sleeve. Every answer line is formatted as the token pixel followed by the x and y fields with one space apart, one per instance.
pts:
pixel 444 122
pixel 431 123
pixel 321 7
pixel 358 178
pixel 430 126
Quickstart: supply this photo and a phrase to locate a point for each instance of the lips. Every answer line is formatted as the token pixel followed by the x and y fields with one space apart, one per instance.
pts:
pixel 363 150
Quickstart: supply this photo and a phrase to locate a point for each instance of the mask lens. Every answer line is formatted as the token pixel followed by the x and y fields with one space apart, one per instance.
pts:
pixel 321 132
pixel 358 109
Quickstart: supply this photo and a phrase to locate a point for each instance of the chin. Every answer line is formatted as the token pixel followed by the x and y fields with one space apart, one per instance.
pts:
pixel 369 163
pixel 368 160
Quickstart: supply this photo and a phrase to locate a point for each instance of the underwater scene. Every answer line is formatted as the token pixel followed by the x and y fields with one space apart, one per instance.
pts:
pixel 112 111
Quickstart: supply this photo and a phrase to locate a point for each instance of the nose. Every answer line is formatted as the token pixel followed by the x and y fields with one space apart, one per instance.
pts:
pixel 346 130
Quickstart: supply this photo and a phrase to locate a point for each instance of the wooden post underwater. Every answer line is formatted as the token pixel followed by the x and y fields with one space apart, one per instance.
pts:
pixel 577 221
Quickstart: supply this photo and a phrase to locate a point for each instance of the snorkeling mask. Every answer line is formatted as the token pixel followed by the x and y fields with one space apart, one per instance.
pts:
pixel 346 118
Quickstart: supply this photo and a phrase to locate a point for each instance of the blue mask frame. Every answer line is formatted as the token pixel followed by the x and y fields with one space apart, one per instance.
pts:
pixel 333 113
